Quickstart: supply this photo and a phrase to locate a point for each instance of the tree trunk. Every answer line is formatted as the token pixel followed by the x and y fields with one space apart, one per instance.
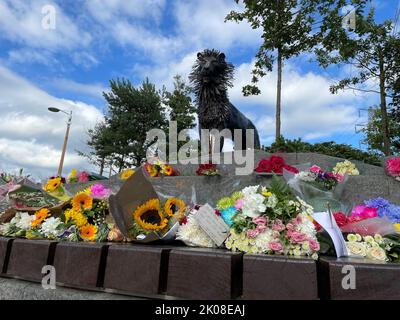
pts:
pixel 385 120
pixel 102 163
pixel 279 96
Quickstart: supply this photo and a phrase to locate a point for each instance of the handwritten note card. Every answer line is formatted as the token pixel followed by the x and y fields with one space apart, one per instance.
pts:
pixel 212 224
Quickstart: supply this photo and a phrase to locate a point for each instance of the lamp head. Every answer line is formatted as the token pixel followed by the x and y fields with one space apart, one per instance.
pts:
pixel 51 109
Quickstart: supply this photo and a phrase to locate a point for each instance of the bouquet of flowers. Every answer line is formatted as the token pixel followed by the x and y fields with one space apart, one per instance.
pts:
pixel 318 187
pixel 153 221
pixel 55 187
pixel 345 168
pixel 76 176
pixel 126 174
pixel 84 220
pixel 207 169
pixel 28 198
pixel 274 165
pixel 191 233
pixel 159 169
pixel 393 167
pixel 270 221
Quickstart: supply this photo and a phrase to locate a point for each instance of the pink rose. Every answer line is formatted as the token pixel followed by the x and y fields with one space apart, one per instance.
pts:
pixel 339 177
pixel 260 221
pixel 260 228
pixel 278 225
pixel 298 237
pixel 315 169
pixel 393 166
pixel 299 219
pixel 290 227
pixel 239 204
pixel 251 234
pixel 275 246
pixel 314 245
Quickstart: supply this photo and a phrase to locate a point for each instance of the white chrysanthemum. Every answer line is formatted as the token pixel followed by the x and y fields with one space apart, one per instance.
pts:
pixel 253 205
pixel 192 235
pixel 49 227
pixel 24 221
pixel 250 190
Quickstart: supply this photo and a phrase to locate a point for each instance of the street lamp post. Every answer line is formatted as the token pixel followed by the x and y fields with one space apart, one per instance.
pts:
pixel 64 149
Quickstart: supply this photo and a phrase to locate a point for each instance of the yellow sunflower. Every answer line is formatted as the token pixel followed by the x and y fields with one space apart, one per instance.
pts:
pixel 82 201
pixel 52 184
pixel 150 217
pixel 175 207
pixel 88 232
pixel 40 215
pixel 151 170
pixel 126 174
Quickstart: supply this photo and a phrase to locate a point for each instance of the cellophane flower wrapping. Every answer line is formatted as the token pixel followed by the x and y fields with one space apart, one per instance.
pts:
pixel 314 193
pixel 370 227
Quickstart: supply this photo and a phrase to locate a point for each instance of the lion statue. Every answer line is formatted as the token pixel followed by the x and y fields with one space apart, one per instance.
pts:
pixel 211 77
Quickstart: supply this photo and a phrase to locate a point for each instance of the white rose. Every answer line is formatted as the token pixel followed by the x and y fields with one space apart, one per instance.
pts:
pixel 356 248
pixel 376 253
pixel 25 221
pixel 253 205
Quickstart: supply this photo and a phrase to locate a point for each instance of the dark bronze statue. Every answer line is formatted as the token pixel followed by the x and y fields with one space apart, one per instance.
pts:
pixel 211 76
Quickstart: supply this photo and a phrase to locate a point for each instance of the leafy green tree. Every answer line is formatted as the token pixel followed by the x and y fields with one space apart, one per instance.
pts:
pixel 289 28
pixel 330 148
pixel 132 112
pixel 179 101
pixel 373 136
pixel 372 50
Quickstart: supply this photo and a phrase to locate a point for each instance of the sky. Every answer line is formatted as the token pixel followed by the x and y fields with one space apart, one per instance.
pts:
pixel 67 62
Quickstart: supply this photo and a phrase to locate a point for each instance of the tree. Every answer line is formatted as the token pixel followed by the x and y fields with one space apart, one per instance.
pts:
pixel 373 136
pixel 100 140
pixel 330 148
pixel 289 28
pixel 372 49
pixel 132 112
pixel 180 104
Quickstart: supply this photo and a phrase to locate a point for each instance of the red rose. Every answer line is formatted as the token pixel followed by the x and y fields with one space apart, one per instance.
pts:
pixel 341 219
pixel 290 169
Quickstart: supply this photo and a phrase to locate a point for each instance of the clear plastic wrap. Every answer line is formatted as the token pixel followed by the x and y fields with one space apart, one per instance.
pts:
pixel 370 227
pixel 314 194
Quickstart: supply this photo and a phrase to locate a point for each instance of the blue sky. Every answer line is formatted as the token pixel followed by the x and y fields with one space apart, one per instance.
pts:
pixel 97 40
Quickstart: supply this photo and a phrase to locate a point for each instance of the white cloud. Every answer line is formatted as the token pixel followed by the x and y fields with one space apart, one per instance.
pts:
pixel 95 90
pixel 31 137
pixel 21 22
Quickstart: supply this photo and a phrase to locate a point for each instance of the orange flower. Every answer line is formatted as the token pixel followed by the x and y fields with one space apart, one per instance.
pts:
pixel 88 232
pixel 40 215
pixel 168 170
pixel 82 201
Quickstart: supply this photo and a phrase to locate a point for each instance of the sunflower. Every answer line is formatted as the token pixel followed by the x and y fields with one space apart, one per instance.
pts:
pixel 150 217
pixel 52 184
pixel 40 215
pixel 88 232
pixel 126 174
pixel 77 217
pixel 82 201
pixel 175 207
pixel 151 170
pixel 168 170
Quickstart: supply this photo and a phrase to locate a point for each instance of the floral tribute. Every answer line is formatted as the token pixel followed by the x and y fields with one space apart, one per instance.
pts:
pixel 84 219
pixel 274 165
pixel 374 247
pixel 190 231
pixel 393 167
pixel 346 167
pixel 207 169
pixel 270 221
pixel 152 216
pixel 126 174
pixel 315 175
pixel 159 169
pixel 55 187
pixel 78 176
